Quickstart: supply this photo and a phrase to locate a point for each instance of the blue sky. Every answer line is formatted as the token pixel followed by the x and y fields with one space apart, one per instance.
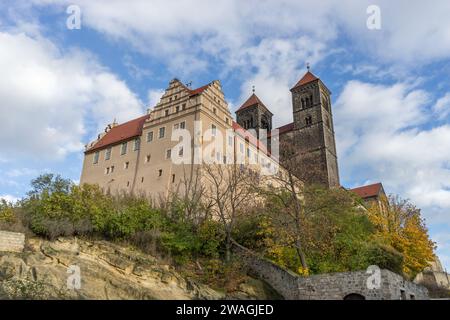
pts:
pixel 391 95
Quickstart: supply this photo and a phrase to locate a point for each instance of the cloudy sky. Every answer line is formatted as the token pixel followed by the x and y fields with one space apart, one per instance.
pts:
pixel 391 95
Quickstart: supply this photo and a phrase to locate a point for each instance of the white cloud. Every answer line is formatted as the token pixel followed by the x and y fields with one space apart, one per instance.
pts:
pixel 9 198
pixel 153 96
pixel 442 107
pixel 47 95
pixel 380 137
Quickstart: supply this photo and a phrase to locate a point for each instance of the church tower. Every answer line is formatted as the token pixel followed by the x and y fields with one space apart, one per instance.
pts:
pixel 313 129
pixel 253 114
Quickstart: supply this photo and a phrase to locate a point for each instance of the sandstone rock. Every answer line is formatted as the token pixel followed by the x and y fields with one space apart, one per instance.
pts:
pixel 108 271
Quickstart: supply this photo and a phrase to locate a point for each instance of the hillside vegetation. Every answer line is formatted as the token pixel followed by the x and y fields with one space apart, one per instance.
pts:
pixel 335 232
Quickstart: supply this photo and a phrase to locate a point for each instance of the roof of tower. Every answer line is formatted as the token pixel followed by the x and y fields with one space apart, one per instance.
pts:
pixel 307 78
pixel 121 132
pixel 253 100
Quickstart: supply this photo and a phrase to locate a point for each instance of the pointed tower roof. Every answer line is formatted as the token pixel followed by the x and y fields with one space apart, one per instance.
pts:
pixel 253 100
pixel 307 78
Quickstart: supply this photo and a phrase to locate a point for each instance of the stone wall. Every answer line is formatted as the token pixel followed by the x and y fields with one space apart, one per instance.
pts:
pixel 333 286
pixel 11 241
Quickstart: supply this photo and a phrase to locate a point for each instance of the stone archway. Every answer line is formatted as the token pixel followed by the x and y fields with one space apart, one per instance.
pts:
pixel 354 296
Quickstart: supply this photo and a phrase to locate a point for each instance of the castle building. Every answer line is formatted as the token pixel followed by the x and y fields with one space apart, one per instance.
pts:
pixel 137 156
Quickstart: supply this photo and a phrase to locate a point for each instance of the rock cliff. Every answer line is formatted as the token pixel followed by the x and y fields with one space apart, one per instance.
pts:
pixel 106 271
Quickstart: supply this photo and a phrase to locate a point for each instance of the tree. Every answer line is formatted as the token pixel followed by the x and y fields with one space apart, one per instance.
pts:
pixel 287 192
pixel 50 183
pixel 230 188
pixel 399 223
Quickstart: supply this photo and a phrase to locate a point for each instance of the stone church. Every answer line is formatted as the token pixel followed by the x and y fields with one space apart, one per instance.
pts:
pixel 312 131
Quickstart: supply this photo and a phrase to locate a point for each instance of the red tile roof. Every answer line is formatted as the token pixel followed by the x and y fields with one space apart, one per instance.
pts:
pixel 253 100
pixel 307 78
pixel 369 191
pixel 198 90
pixel 121 132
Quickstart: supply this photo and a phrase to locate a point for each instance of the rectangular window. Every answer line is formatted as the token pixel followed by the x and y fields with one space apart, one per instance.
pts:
pixel 126 165
pixel 108 154
pixel 241 148
pixel 168 153
pixel 180 151
pixel 183 106
pixel 176 126
pixel 162 131
pixel 96 156
pixel 227 121
pixel 166 113
pixel 213 129
pixel 183 125
pixel 142 180
pixel 112 169
pixel 248 152
pixel 137 144
pixel 173 178
pixel 215 110
pixel 147 158
pixel 107 170
pixel 159 172
pixel 230 141
pixel 150 136
pixel 177 108
pixel 123 149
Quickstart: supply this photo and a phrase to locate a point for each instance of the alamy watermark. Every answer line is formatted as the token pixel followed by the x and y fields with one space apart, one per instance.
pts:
pixel 374 20
pixel 374 279
pixel 74 19
pixel 234 146
pixel 74 278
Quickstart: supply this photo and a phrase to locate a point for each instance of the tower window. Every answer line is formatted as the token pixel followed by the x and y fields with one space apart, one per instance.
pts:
pixel 159 172
pixel 173 178
pixel 308 120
